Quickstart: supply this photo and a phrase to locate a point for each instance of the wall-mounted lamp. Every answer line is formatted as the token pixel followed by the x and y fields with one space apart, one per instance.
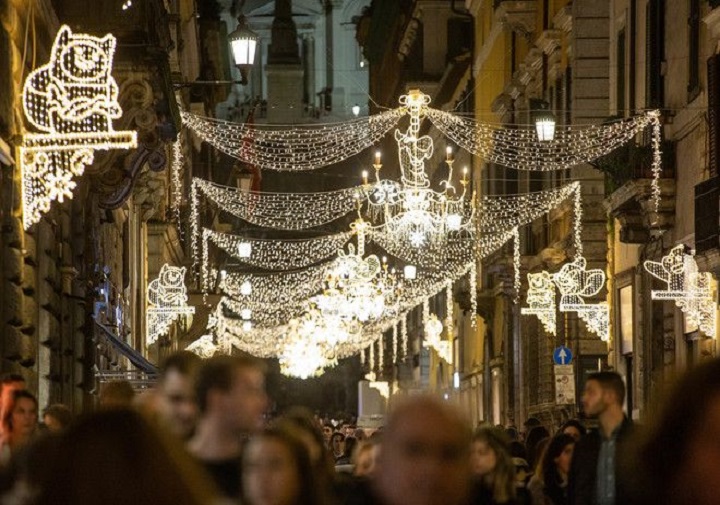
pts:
pixel 243 42
pixel 543 118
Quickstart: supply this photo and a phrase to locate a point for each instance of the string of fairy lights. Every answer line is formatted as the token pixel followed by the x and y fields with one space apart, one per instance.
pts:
pixel 300 311
pixel 293 147
pixel 312 301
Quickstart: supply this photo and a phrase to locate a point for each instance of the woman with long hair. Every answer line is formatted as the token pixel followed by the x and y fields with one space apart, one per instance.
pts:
pixel 549 484
pixel 492 467
pixel 116 457
pixel 277 471
pixel 20 423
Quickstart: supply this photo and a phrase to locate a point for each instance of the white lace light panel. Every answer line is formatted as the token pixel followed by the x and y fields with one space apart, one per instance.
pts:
pixel 167 300
pixel 293 147
pixel 689 288
pixel 72 100
pixel 203 347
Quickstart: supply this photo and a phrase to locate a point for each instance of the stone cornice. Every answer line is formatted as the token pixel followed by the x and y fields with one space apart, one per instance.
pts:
pixel 517 15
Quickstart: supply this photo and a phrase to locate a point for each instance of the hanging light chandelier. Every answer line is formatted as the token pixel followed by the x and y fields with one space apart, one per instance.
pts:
pixel 357 288
pixel 413 212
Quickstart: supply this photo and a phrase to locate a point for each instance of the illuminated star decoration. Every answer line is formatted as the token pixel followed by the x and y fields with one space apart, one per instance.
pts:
pixel 690 289
pixel 167 299
pixel 71 101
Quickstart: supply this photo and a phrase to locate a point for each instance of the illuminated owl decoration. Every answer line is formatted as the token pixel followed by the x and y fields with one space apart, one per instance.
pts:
pixel 541 290
pixel 74 92
pixel 168 290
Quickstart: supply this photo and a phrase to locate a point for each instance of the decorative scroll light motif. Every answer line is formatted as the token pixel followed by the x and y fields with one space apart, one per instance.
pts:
pixel 203 347
pixel 414 213
pixel 576 283
pixel 167 297
pixel 690 289
pixel 293 148
pixel 72 101
pixel 541 300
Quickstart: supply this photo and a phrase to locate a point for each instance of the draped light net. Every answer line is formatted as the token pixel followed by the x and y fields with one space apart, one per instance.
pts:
pixel 72 101
pixel 689 288
pixel 167 300
pixel 293 147
pixel 280 254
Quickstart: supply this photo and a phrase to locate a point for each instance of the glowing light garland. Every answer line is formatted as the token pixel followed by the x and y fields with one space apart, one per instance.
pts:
pixel 432 330
pixel 278 288
pixel 280 254
pixel 293 147
pixel 541 300
pixel 690 289
pixel 576 283
pixel 412 212
pixel 472 277
pixel 520 148
pixel 167 299
pixel 517 265
pixel 72 101
pixel 403 335
pixel 203 347
pixel 177 168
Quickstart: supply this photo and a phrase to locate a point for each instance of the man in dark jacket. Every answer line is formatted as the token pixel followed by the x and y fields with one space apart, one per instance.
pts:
pixel 593 478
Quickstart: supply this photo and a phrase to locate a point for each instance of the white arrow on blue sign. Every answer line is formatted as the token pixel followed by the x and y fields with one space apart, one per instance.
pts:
pixel 562 355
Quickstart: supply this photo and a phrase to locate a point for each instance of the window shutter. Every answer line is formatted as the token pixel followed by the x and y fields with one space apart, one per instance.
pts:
pixel 707 215
pixel 713 84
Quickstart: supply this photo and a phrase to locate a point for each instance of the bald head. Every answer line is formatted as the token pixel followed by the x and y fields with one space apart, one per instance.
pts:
pixel 424 457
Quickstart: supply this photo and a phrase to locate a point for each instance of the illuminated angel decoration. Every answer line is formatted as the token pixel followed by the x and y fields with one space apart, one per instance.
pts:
pixel 576 283
pixel 690 289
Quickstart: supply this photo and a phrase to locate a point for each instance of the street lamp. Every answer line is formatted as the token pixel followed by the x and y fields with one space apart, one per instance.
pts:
pixel 356 110
pixel 544 120
pixel 243 42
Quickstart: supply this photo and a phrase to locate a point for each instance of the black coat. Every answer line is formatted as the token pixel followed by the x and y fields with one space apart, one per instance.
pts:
pixel 582 482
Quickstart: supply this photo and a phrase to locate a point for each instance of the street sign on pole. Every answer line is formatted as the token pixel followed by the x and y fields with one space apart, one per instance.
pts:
pixel 562 355
pixel 564 385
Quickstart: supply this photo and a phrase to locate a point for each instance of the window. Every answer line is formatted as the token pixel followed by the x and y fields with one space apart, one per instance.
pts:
pixel 655 49
pixel 694 50
pixel 625 318
pixel 620 78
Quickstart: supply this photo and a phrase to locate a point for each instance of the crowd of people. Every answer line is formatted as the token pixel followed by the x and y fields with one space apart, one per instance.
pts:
pixel 202 436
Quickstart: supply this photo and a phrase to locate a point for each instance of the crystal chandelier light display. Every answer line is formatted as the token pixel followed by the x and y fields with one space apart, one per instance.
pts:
pixel 358 289
pixel 412 211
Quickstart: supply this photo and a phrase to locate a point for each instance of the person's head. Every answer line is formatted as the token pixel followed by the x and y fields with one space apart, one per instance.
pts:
pixel 424 457
pixel 176 393
pixel 277 470
pixel 22 416
pixel 231 390
pixel 327 431
pixel 364 458
pixel 679 456
pixel 57 417
pixel 534 436
pixel 603 390
pixel 492 462
pixel 302 423
pixel 116 395
pixel 529 424
pixel 116 457
pixel 11 382
pixel 574 428
pixel 337 443
pixel 512 433
pixel 349 446
pixel 556 459
pixel 359 434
